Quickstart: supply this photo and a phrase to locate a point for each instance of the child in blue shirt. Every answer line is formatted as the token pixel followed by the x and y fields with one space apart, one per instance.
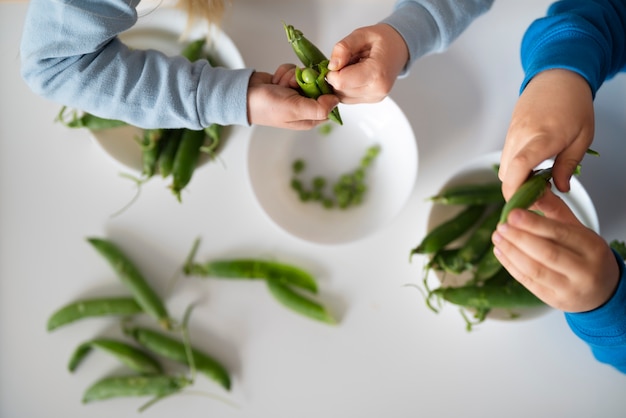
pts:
pixel 566 56
pixel 71 54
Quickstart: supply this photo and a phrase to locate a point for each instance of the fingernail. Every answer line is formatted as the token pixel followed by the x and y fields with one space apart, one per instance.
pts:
pixel 496 237
pixel 332 64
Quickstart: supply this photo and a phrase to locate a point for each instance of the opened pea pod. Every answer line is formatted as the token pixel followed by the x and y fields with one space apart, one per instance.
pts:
pixel 311 78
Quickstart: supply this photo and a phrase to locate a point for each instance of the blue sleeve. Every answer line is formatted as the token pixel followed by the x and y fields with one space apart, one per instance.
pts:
pixel 70 54
pixel 604 328
pixel 584 36
pixel 429 26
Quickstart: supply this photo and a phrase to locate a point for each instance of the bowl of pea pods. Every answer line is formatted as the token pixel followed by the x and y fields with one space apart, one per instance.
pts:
pixel 170 153
pixel 457 251
pixel 337 183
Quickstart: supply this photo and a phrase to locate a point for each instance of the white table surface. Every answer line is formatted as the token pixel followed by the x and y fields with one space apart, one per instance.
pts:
pixel 390 356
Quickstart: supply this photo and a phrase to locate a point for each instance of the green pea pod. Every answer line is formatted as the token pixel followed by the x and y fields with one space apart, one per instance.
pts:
pixel 186 159
pixel 305 50
pixel 447 259
pixel 150 149
pixel 132 357
pixel 89 308
pixel 528 193
pixel 171 141
pixel 298 303
pixel 158 386
pixel 480 239
pixel 254 269
pixel 326 88
pixel 470 194
pixel 507 293
pixel 449 230
pixel 307 80
pixel 126 271
pixel 175 350
pixel 194 50
pixel 487 267
pixel 87 120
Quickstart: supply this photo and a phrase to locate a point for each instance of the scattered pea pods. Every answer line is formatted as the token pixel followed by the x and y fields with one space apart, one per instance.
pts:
pixel 126 271
pixel 132 357
pixel 173 349
pixel 97 307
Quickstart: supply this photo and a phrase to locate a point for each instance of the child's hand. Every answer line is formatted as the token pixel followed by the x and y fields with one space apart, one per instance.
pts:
pixel 562 262
pixel 552 117
pixel 365 64
pixel 281 106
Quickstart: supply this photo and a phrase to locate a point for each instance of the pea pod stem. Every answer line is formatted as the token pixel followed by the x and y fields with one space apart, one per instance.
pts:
pixel 305 50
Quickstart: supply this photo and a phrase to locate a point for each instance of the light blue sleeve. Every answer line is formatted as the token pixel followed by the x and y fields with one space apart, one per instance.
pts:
pixel 430 26
pixel 604 328
pixel 70 54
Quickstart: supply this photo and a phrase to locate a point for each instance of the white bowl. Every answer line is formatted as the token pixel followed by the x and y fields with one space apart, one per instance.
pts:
pixel 481 170
pixel 161 29
pixel 390 180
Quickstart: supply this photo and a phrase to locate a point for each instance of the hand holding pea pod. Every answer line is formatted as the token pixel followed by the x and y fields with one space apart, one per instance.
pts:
pixel 311 78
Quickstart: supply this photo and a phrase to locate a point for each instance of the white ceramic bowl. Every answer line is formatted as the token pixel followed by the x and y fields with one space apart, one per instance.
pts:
pixel 481 170
pixel 390 179
pixel 161 29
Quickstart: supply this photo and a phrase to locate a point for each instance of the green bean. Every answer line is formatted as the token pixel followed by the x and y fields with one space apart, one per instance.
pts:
pixel 173 349
pixel 171 141
pixel 87 308
pixel 298 303
pixel 448 231
pixel 470 194
pixel 305 50
pixel 132 357
pixel 126 271
pixel 528 193
pixel 131 386
pixel 186 159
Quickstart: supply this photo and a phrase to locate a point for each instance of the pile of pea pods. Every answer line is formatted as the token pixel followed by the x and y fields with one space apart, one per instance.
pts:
pixel 169 339
pixel 169 152
pixel 462 244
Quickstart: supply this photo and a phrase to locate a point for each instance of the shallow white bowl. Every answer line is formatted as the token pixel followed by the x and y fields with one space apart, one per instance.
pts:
pixel 161 29
pixel 390 179
pixel 481 170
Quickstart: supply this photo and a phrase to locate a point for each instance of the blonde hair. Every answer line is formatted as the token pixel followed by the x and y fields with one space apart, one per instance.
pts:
pixel 210 11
